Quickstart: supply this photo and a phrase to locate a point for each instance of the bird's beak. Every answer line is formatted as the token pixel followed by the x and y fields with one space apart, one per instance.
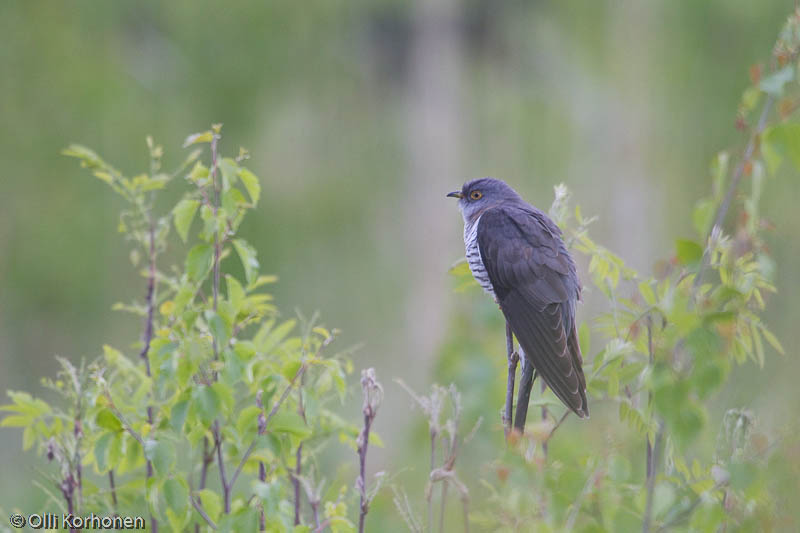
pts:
pixel 455 194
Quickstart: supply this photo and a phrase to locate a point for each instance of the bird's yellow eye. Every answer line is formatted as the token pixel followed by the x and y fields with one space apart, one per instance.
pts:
pixel 476 195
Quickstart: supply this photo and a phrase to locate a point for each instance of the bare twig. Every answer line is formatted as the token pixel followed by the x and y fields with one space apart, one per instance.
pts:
pixel 373 395
pixel 296 482
pixel 113 489
pixel 226 487
pixel 513 358
pixel 208 458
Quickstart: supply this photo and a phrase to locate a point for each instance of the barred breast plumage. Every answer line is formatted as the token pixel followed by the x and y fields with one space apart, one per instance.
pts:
pixel 474 257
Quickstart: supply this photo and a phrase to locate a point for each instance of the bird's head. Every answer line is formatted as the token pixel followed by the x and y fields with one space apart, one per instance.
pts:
pixel 478 195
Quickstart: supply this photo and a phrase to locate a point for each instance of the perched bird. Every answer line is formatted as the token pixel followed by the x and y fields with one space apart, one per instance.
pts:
pixel 516 254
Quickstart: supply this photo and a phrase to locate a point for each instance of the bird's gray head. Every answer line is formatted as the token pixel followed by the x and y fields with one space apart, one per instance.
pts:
pixel 478 195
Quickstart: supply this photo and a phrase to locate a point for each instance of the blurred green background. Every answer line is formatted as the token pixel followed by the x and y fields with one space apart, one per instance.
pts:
pixel 360 117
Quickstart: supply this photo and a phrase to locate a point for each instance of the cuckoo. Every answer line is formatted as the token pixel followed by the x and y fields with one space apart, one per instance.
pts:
pixel 516 254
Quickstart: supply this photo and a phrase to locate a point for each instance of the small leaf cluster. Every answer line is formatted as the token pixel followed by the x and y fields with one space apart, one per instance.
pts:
pixel 205 421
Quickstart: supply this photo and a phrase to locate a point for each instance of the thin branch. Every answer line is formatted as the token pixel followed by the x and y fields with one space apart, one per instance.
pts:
pixel 113 408
pixel 722 210
pixel 373 395
pixel 113 489
pixel 651 452
pixel 148 334
pixel 651 480
pixel 215 207
pixel 558 424
pixel 429 494
pixel 262 477
pixel 226 487
pixel 513 358
pixel 202 513
pixel 296 482
pixel 443 506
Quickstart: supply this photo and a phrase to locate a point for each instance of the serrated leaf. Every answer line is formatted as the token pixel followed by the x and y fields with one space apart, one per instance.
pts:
pixel 230 170
pixel 198 261
pixel 183 214
pixel 252 185
pixel 247 254
pixel 176 495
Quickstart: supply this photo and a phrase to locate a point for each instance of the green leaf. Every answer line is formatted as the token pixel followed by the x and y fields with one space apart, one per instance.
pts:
pixel 176 494
pixel 248 419
pixel 183 214
pixel 251 184
pixel 106 419
pixel 15 421
pixel 232 200
pixel 647 293
pixel 291 423
pixel 202 137
pixel 28 438
pixel 101 452
pixel 161 453
pixel 247 254
pixel 780 141
pixel 199 261
pixel 178 415
pixel 220 329
pixel 702 216
pixel 236 293
pixel 267 339
pixel 211 503
pixel 688 252
pixel 207 403
pixel 772 340
pixel 230 170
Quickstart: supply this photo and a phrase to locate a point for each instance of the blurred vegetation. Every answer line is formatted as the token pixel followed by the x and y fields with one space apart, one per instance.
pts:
pixel 624 103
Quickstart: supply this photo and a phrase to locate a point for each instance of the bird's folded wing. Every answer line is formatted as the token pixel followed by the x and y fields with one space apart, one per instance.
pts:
pixel 536 286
